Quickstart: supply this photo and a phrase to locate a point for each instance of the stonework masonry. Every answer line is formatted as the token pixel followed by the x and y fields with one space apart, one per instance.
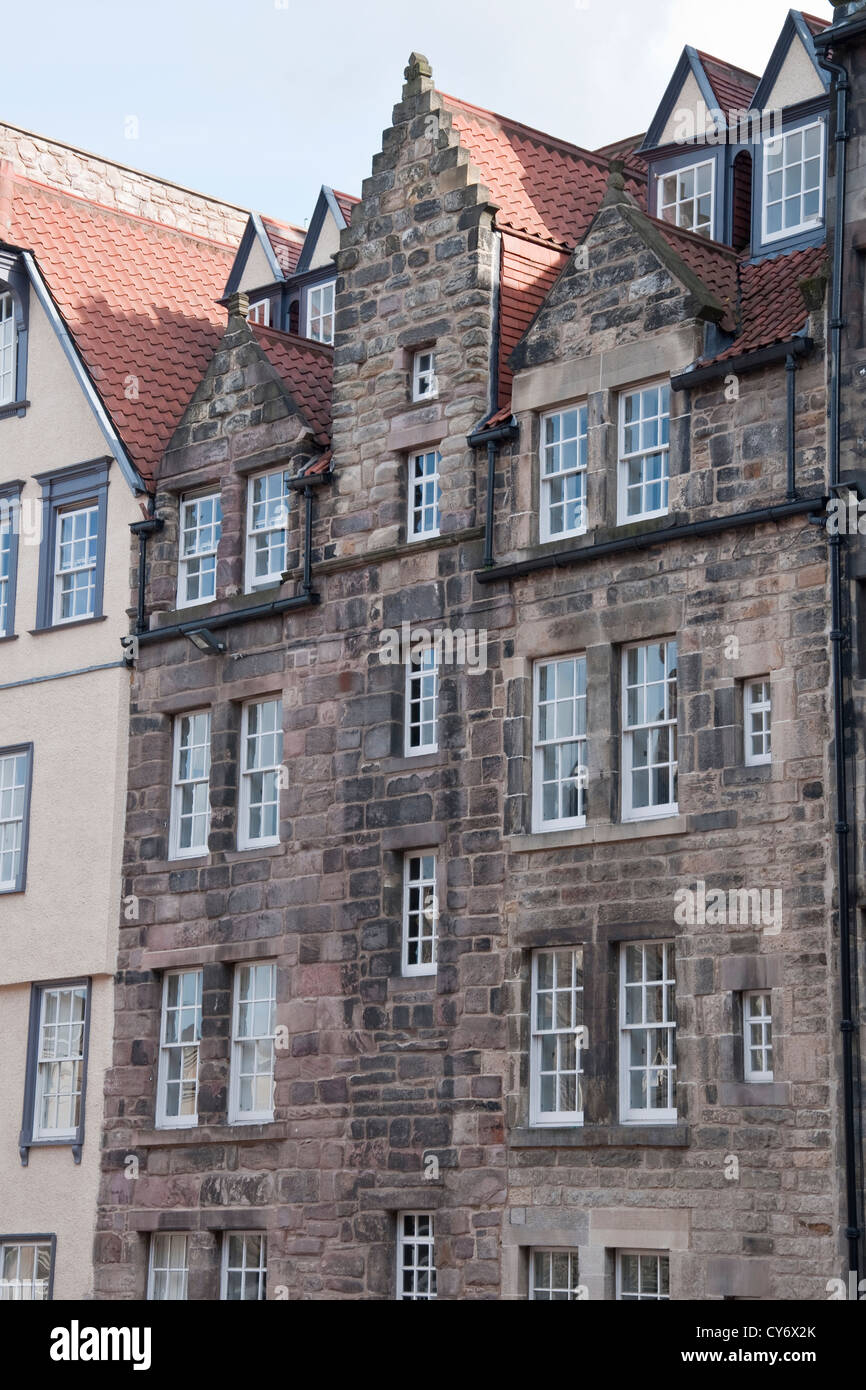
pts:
pixel 377 1074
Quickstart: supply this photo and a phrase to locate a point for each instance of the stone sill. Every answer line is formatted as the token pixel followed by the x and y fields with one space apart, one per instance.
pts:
pixel 208 1134
pixel 390 552
pixel 227 952
pixel 601 834
pixel 675 1136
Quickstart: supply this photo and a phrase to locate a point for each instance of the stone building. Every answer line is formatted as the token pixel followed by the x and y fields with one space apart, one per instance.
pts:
pixel 482 798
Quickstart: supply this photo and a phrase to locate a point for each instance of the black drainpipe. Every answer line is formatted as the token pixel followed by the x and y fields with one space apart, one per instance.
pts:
pixel 791 373
pixel 492 438
pixel 307 486
pixel 151 526
pixel 837 638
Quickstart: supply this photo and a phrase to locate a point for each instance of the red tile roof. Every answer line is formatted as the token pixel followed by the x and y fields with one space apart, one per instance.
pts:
pixel 626 149
pixel 287 242
pixel 772 309
pixel 138 297
pixel 732 87
pixel 547 193
pixel 815 25
pixel 346 202
pixel 713 263
pixel 307 369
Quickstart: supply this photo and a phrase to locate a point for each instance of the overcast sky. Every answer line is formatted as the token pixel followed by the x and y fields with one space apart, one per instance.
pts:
pixel 262 101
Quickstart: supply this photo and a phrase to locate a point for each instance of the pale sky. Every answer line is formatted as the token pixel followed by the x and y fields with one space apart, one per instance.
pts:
pixel 262 101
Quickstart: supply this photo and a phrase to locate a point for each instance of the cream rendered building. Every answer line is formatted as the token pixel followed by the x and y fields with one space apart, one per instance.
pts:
pixel 108 315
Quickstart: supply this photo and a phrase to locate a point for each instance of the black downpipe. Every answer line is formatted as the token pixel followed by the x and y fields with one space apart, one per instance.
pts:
pixel 307 582
pixel 151 526
pixel 837 636
pixel 791 374
pixel 488 527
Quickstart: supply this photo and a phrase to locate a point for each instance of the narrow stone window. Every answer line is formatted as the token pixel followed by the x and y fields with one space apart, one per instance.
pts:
pixel 564 445
pixel 16 771
pixel 644 452
pixel 425 386
pixel 559 743
pixel 420 914
pixel 267 520
pixel 648 1032
pixel 424 495
pixel 180 1040
pixel 190 810
pixel 8 342
pixel 200 531
pixel 251 1092
pixel 757 712
pixel 649 739
pixel 757 1036
pixel 320 313
pixel 416 1259
pixel 556 1038
pixel 422 700
pixel 261 761
pixel 60 1062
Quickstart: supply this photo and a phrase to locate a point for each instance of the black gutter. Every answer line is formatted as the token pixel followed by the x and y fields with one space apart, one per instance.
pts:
pixel 230 619
pixel 149 527
pixel 837 643
pixel 712 526
pixel 747 361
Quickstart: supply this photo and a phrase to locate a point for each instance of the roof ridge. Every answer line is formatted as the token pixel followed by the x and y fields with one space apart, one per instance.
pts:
pixel 18 177
pixel 724 63
pixel 693 238
pixel 278 222
pixel 115 163
pixel 338 193
pixel 531 131
pixel 280 334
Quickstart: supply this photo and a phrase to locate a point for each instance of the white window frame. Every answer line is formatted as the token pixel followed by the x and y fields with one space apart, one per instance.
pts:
pixel 567 959
pixel 762 1024
pixel 662 207
pixel 259 1269
pixel 176 850
pixel 653 811
pixel 761 708
pixel 8 557
pixel 409 1243
pixel 420 913
pixel 273 576
pixel 168 1256
pixel 166 1049
pixel 253 743
pixel 639 1296
pixel 578 702
pixel 810 223
pixel 16 770
pixel 569 1292
pixel 73 1057
pixel 644 453
pixel 90 512
pixel 38 1287
pixel 236 1116
pixel 260 312
pixel 647 1114
pixel 319 298
pixel 551 451
pixel 202 552
pixel 425 383
pixel 422 669
pixel 8 349
pixel 418 528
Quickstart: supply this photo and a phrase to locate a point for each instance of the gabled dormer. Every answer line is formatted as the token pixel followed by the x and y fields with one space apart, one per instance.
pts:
pixel 287 274
pixel 742 159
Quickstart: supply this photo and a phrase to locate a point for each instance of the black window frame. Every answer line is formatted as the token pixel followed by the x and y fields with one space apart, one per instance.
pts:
pixel 62 490
pixel 26 1140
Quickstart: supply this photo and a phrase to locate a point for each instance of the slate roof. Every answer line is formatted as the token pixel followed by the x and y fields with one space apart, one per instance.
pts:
pixel 139 299
pixel 307 369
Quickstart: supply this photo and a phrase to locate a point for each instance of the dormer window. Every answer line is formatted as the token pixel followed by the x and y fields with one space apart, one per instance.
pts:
pixel 7 349
pixel 424 383
pixel 320 313
pixel 794 182
pixel 685 198
pixel 260 312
